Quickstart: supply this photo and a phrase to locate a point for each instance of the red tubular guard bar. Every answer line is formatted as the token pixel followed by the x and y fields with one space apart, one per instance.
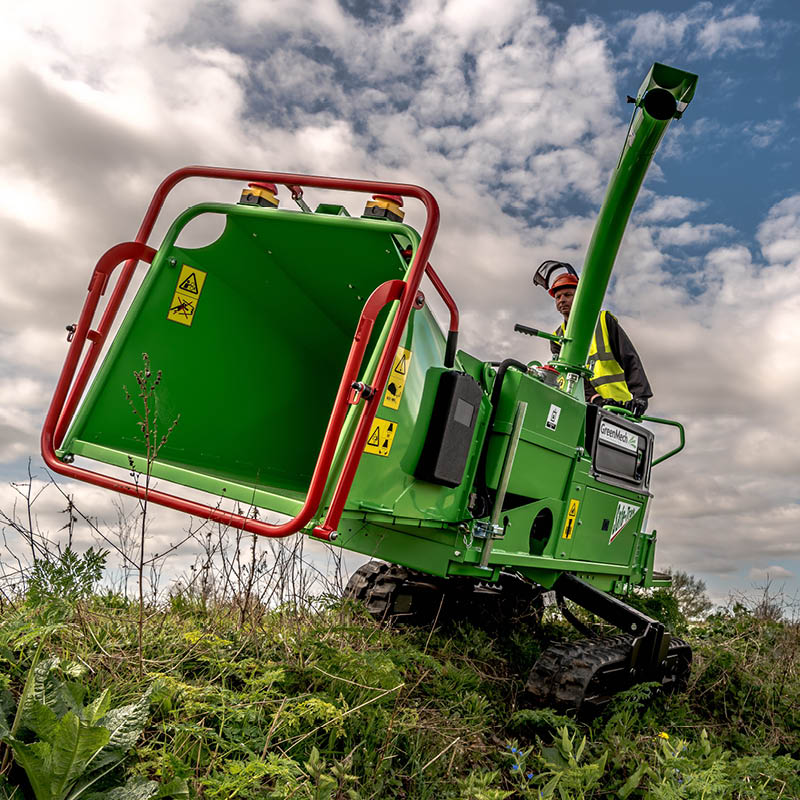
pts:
pixel 65 400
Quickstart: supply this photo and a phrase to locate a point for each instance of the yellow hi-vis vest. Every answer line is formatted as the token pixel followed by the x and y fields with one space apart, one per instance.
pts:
pixel 608 377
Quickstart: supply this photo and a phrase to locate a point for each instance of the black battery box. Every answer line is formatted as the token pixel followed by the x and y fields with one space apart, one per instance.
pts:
pixel 451 429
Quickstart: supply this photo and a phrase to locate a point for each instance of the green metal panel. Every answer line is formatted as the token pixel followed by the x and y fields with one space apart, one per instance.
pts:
pixel 545 454
pixel 600 508
pixel 254 376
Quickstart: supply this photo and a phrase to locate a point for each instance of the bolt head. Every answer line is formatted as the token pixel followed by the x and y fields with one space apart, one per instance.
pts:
pixel 457 554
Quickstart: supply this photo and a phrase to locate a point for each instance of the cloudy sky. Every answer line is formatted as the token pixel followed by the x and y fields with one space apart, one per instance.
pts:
pixel 513 115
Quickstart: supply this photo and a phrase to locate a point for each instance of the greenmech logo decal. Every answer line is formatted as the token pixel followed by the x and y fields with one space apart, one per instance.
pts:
pixel 625 513
pixel 618 436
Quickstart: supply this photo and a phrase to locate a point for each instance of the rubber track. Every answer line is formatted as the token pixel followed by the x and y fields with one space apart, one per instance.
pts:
pixel 376 585
pixel 391 592
pixel 563 676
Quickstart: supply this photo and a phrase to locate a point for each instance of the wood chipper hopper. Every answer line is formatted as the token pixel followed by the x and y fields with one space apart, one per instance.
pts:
pixel 301 371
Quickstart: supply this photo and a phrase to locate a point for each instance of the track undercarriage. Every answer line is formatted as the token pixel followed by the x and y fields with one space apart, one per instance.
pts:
pixel 578 676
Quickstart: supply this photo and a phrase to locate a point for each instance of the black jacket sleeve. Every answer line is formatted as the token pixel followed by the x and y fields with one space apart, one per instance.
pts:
pixel 627 357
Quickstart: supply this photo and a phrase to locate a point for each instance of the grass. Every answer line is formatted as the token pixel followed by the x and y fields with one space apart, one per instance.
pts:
pixel 319 701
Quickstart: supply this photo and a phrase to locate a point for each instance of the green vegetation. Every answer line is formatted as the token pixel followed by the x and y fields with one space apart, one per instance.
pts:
pixel 317 701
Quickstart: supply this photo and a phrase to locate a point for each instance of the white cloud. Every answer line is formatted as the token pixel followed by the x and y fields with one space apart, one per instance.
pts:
pixel 779 234
pixel 688 233
pixel 654 29
pixel 709 32
pixel 669 208
pixel 718 35
pixel 763 134
pixel 775 572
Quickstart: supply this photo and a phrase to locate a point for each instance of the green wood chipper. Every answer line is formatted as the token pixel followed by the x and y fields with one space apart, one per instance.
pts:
pixel 309 377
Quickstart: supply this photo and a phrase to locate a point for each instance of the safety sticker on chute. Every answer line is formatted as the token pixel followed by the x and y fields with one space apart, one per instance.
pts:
pixel 625 513
pixel 381 437
pixel 397 378
pixel 572 514
pixel 187 293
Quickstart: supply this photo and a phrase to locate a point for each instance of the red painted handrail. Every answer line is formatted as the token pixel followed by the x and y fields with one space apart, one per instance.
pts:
pixel 446 296
pixel 63 405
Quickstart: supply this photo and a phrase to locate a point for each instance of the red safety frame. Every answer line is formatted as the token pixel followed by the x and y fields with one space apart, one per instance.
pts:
pixel 71 386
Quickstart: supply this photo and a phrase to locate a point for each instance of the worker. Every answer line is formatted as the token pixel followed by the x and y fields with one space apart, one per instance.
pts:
pixel 618 377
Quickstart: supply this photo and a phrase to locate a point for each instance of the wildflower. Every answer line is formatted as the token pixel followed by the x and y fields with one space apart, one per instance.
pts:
pixel 513 749
pixel 663 735
pixel 514 767
pixel 529 776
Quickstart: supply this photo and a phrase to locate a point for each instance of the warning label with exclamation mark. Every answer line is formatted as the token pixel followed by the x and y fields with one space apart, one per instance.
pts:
pixel 381 437
pixel 397 378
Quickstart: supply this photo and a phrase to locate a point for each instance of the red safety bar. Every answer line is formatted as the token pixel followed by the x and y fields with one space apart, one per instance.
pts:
pixel 65 400
pixel 446 296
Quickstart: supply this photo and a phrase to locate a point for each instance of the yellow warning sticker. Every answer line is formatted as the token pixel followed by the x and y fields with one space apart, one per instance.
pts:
pixel 381 437
pixel 572 513
pixel 187 293
pixel 397 378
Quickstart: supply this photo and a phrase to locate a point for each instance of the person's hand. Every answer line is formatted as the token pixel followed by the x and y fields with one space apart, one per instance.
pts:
pixel 637 406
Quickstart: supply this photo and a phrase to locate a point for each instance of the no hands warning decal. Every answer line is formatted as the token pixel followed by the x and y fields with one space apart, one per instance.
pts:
pixel 381 437
pixel 625 513
pixel 187 293
pixel 572 514
pixel 397 378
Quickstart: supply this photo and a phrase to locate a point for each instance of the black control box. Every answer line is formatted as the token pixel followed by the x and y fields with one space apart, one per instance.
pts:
pixel 447 444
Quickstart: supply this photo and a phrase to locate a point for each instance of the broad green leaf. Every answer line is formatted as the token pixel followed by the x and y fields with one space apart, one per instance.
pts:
pixel 633 781
pixel 551 785
pixel 134 789
pixel 27 690
pixel 74 745
pixel 39 719
pixel 125 724
pixel 137 788
pixel 176 789
pixel 34 758
pixel 97 709
pixel 73 695
pixel 43 686
pixel 553 756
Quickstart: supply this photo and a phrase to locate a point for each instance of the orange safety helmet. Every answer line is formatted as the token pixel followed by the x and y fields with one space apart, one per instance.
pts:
pixel 561 282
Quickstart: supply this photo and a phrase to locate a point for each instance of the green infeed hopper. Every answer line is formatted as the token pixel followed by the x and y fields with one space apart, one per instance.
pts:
pixel 251 335
pixel 302 371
